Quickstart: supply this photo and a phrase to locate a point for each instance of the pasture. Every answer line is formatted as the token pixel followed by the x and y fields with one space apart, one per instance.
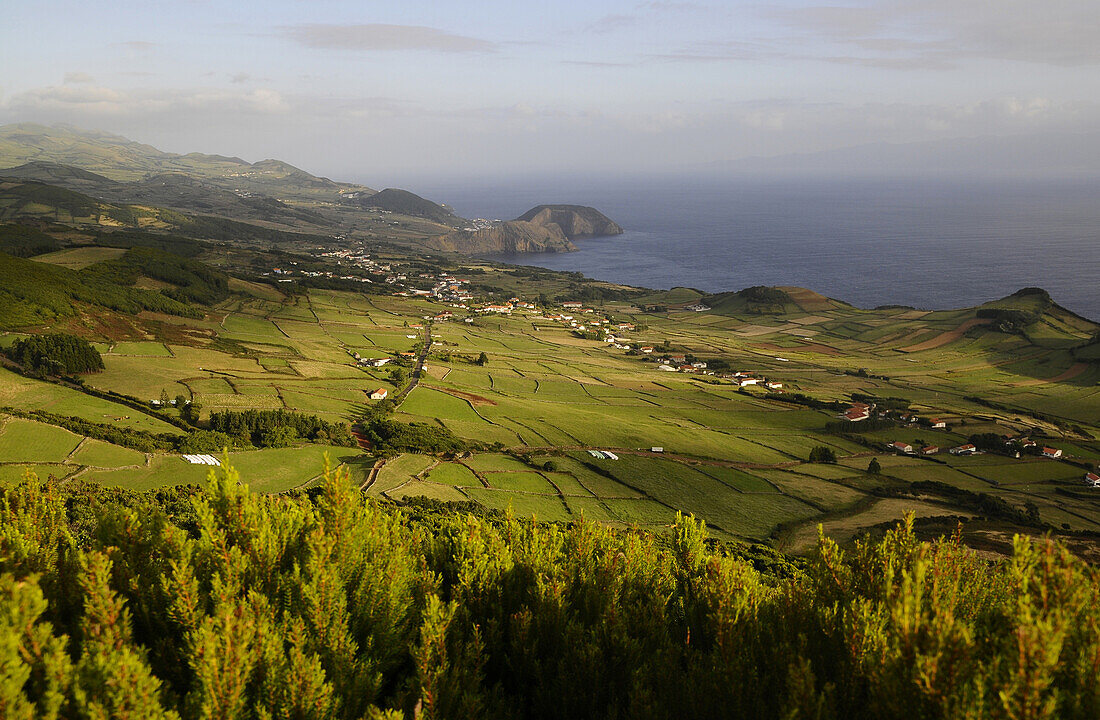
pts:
pixel 735 457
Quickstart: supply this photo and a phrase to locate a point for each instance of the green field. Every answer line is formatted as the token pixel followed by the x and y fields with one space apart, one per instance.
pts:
pixel 734 457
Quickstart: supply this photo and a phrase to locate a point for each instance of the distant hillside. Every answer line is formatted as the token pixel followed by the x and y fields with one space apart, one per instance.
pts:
pixel 35 201
pixel 404 202
pixel 1033 314
pixel 123 160
pixel 174 190
pixel 759 300
pixel 32 293
pixel 58 174
pixel 508 237
pixel 575 221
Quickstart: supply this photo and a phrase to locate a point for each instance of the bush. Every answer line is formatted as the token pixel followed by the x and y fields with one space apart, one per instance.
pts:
pixel 258 427
pixel 390 437
pixel 224 603
pixel 822 454
pixel 206 441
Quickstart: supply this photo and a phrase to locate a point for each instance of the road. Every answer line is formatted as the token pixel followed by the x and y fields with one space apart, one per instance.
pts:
pixel 418 370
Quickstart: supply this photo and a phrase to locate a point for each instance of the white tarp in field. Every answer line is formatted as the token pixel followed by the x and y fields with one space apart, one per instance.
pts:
pixel 202 460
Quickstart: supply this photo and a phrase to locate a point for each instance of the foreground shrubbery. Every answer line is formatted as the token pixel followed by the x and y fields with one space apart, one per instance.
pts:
pixel 225 604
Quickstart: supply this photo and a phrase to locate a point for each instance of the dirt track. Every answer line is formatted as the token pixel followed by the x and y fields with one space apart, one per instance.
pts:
pixel 946 337
pixel 1071 372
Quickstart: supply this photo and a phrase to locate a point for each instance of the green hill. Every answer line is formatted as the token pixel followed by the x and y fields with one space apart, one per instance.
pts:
pixel 758 300
pixel 404 202
pixel 575 221
pixel 122 160
pixel 29 201
pixel 32 293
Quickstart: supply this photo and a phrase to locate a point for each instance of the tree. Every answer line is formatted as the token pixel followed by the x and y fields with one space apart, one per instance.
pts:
pixel 873 467
pixel 398 375
pixel 56 354
pixel 190 412
pixel 164 398
pixel 483 359
pixel 279 437
pixel 822 454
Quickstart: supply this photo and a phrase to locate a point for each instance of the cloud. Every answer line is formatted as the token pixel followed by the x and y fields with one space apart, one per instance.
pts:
pixel 137 45
pixel 596 63
pixel 612 23
pixel 672 6
pixel 76 78
pixel 91 100
pixel 733 50
pixel 380 38
pixel 941 33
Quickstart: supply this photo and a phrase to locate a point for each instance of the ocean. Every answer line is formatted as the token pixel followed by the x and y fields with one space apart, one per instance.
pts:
pixel 929 244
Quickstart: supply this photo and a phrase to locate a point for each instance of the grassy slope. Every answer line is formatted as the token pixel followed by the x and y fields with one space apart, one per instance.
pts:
pixel 545 391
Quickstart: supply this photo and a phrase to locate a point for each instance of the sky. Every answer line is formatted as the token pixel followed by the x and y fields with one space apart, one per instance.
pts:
pixel 382 92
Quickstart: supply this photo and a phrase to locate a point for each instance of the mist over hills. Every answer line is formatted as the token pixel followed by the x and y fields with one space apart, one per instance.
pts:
pixel 1026 156
pixel 115 180
pixel 126 161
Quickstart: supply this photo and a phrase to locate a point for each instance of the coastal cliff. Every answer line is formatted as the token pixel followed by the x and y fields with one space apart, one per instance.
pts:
pixel 508 237
pixel 574 221
pixel 545 228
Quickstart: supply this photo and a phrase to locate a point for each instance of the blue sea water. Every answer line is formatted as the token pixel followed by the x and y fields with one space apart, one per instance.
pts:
pixel 930 244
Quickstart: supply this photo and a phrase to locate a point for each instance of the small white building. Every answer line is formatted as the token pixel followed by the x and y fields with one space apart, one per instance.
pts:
pixel 380 394
pixel 1049 452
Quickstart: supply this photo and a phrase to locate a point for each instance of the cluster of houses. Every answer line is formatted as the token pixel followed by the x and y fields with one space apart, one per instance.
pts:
pixel 905 448
pixel 860 411
pixel 480 224
pixel 451 290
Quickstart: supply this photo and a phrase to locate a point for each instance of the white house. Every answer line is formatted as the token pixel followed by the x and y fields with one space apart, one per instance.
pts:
pixel 379 394
pixel 1050 452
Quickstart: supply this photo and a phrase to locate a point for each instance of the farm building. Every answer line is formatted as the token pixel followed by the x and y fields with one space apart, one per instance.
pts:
pixel 967 449
pixel 902 447
pixel 379 394
pixel 1049 452
pixel 1092 479
pixel 856 414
